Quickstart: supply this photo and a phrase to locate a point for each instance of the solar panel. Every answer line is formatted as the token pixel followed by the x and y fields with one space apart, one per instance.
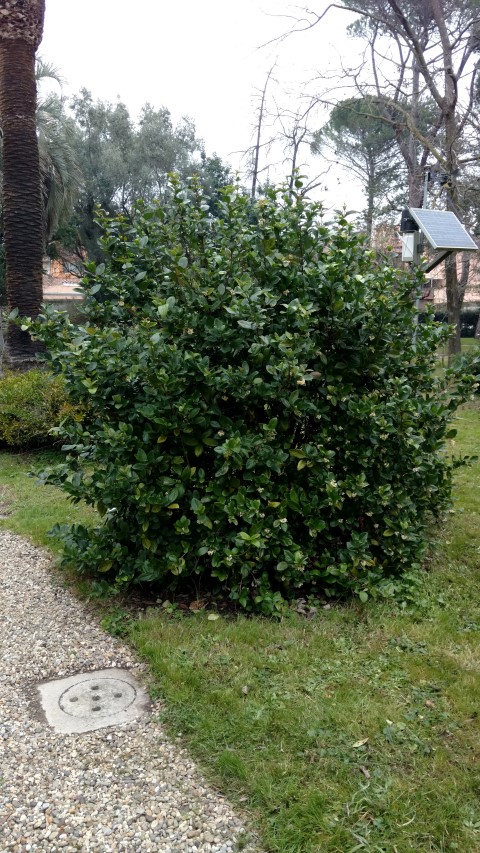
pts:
pixel 442 229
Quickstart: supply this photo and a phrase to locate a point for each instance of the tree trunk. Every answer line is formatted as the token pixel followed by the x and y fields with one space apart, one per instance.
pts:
pixel 448 104
pixel 370 212
pixel 22 198
pixel 256 150
pixel 296 146
pixel 454 295
pixel 415 172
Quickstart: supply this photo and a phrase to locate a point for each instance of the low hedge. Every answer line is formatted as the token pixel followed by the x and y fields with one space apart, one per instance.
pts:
pixel 31 404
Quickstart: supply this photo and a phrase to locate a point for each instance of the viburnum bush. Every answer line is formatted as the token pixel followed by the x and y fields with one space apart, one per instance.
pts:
pixel 264 419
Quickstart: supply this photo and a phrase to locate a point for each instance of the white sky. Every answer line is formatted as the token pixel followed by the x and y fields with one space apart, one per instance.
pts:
pixel 198 58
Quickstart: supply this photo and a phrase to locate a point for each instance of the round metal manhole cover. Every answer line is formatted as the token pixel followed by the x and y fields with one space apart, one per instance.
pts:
pixel 97 697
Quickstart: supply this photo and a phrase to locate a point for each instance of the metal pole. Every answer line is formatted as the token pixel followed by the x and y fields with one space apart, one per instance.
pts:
pixel 425 186
pixel 421 242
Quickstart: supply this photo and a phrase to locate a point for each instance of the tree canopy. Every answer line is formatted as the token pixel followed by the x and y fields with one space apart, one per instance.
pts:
pixel 361 141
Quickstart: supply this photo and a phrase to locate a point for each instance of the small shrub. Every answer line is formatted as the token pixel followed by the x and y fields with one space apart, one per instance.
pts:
pixel 468 363
pixel 265 422
pixel 31 405
pixel 468 321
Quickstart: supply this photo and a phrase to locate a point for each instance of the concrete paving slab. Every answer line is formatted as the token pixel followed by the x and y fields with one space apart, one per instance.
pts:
pixel 92 700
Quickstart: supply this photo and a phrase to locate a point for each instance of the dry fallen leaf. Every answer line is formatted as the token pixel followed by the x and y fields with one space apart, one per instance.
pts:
pixel 212 617
pixel 245 690
pixel 365 772
pixel 429 703
pixel 360 742
pixel 196 605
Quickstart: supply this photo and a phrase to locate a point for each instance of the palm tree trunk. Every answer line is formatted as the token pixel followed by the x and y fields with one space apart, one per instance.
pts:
pixel 22 199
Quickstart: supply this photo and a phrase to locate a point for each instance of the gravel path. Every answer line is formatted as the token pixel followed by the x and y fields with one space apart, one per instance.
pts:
pixel 126 788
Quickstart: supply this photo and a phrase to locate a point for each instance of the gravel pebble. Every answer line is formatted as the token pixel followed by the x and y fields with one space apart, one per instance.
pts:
pixel 127 788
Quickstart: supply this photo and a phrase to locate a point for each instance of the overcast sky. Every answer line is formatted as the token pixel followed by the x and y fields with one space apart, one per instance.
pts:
pixel 200 59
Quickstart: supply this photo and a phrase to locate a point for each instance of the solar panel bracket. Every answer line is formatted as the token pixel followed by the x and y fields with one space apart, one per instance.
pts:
pixel 437 260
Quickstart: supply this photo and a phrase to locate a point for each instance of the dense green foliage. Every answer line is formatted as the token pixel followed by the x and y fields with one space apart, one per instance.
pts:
pixel 264 420
pixel 31 405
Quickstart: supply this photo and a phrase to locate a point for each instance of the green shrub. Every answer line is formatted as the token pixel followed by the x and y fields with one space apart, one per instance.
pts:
pixel 31 404
pixel 468 362
pixel 264 419
pixel 468 321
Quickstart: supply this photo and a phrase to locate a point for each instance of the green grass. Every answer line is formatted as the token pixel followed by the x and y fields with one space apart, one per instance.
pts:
pixel 356 729
pixel 32 508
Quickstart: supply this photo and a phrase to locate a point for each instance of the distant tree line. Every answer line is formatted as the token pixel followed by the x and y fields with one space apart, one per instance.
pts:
pixel 121 161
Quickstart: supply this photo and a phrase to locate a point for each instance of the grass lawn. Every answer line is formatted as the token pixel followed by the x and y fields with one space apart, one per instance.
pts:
pixel 354 729
pixel 32 508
